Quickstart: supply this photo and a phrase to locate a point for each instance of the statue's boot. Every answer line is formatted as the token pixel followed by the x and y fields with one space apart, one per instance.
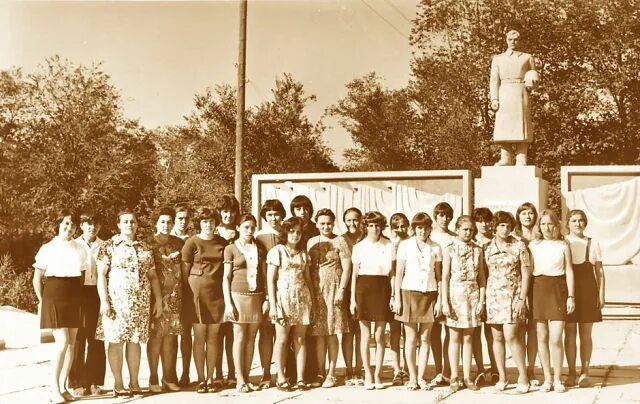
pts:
pixel 521 154
pixel 505 157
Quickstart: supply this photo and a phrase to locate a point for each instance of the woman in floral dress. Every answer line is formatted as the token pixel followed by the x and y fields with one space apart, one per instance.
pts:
pixel 509 267
pixel 126 278
pixel 164 331
pixel 330 273
pixel 290 298
pixel 462 297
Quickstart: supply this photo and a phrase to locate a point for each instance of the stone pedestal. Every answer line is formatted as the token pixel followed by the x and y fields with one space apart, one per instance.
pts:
pixel 506 188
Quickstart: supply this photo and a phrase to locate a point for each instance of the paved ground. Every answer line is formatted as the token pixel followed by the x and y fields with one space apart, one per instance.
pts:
pixel 616 373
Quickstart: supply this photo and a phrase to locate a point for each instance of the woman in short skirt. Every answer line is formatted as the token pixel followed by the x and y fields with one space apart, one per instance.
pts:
pixel 57 280
pixel 553 295
pixel 371 292
pixel 243 287
pixel 463 282
pixel 418 272
pixel 586 259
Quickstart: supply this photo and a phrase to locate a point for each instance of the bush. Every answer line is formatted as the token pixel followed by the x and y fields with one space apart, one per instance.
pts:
pixel 16 288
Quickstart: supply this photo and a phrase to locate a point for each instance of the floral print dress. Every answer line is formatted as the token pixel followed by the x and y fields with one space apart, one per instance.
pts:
pixel 167 258
pixel 293 298
pixel 329 318
pixel 126 264
pixel 505 280
pixel 464 284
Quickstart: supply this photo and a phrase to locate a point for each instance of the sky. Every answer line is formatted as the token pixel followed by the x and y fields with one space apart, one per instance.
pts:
pixel 160 54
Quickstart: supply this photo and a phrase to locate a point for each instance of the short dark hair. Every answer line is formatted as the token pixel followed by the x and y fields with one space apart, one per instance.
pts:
pixel 182 208
pixel 374 217
pixel 205 213
pixel 443 208
pixel 579 212
pixel 228 202
pixel 60 215
pixel 398 218
pixel 325 212
pixel 301 201
pixel 482 215
pixel 421 219
pixel 126 211
pixel 352 209
pixel 88 216
pixel 246 217
pixel 165 211
pixel 272 205
pixel 287 226
pixel 504 217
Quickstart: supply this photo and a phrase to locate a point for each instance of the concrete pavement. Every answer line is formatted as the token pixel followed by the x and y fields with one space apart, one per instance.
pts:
pixel 615 372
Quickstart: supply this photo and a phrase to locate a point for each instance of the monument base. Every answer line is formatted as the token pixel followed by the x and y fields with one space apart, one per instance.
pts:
pixel 507 187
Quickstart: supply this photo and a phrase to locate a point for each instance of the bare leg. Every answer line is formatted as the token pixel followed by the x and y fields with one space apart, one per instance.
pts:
pixel 347 354
pixel 68 360
pixel 498 350
pixel 61 345
pixel 250 343
pixel 446 372
pixel 199 340
pixel 411 331
pixel 454 351
pixel 321 354
pixel 300 349
pixel 239 344
pixel 153 355
pixel 512 334
pixel 532 349
pixel 488 336
pixel 394 345
pixel 169 356
pixel 571 330
pixel 332 343
pixel 423 358
pixel 266 348
pixel 543 349
pixel 365 333
pixel 556 328
pixel 212 349
pixel 436 345
pixel 280 350
pixel 380 347
pixel 115 356
pixel 477 349
pixel 586 347
pixel 132 353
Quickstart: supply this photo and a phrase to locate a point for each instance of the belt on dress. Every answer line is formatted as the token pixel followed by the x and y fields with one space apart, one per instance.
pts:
pixel 512 81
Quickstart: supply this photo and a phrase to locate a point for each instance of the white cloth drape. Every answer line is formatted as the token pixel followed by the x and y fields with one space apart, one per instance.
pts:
pixel 614 219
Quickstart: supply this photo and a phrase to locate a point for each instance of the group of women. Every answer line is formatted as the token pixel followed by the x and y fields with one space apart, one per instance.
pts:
pixel 300 287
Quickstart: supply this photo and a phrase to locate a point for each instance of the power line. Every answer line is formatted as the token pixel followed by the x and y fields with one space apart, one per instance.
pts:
pixel 398 11
pixel 385 20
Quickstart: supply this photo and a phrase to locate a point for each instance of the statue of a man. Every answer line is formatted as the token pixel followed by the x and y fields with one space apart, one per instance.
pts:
pixel 512 72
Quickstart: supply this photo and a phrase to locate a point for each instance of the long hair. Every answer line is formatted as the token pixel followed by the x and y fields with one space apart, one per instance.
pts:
pixel 287 226
pixel 557 235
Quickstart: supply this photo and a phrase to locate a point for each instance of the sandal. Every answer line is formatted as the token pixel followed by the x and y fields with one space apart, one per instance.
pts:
pixel 412 386
pixel 202 387
pixel 265 383
pixel 301 385
pixel 454 386
pixel 243 388
pixel 471 386
pixel 397 379
pixel 425 385
pixel 318 381
pixel 584 381
pixel 283 386
pixel 558 387
pixel 329 382
pixel 546 387
pixel 480 379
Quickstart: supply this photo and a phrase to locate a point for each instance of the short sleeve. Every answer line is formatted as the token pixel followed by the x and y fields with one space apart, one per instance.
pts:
pixel 402 252
pixel 523 255
pixel 343 248
pixel 189 251
pixel 229 254
pixel 437 252
pixel 355 255
pixel 595 252
pixel 103 262
pixel 273 257
pixel 42 258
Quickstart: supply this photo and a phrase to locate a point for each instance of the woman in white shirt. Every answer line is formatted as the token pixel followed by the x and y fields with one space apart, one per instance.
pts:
pixel 418 273
pixel 586 258
pixel 553 295
pixel 59 273
pixel 372 260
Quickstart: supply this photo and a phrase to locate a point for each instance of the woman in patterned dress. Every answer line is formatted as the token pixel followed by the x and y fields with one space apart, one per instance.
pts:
pixel 290 298
pixel 509 266
pixel 126 279
pixel 463 297
pixel 330 273
pixel 164 331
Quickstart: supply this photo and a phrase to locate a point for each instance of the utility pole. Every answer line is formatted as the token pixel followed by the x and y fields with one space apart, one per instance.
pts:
pixel 242 51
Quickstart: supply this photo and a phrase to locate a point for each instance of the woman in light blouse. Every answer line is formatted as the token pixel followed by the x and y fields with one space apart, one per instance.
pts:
pixel 553 295
pixel 59 272
pixel 372 260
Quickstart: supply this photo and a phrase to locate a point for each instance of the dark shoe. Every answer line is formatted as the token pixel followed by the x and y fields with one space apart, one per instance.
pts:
pixel 397 379
pixel 243 388
pixel 265 383
pixel 184 381
pixel 470 385
pixel 318 381
pixel 202 387
pixel 122 393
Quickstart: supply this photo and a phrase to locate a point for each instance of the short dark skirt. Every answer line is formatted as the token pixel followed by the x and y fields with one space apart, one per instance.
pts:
pixel 373 294
pixel 417 307
pixel 550 298
pixel 207 300
pixel 61 304
pixel 248 306
pixel 587 295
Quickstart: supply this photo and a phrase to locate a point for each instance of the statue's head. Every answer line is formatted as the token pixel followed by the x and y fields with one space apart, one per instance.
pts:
pixel 512 39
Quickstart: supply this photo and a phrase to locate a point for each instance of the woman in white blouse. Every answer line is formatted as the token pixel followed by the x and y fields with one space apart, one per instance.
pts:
pixel 553 295
pixel 586 258
pixel 372 260
pixel 57 280
pixel 418 277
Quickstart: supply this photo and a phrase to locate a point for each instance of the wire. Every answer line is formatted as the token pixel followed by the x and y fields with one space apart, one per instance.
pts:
pixel 385 20
pixel 398 11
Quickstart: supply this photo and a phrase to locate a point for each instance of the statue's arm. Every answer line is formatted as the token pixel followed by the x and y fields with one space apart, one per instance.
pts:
pixel 494 83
